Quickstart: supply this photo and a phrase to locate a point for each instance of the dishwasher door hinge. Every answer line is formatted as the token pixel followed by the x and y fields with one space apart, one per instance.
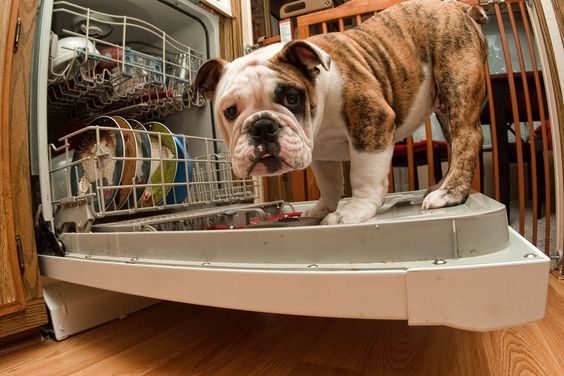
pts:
pixel 557 263
pixel 17 35
pixel 19 250
pixel 47 241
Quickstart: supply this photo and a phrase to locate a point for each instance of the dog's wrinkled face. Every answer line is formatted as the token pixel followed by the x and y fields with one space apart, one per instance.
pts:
pixel 264 105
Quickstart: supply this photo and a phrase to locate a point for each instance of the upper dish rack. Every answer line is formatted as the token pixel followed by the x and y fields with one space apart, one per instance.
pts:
pixel 103 170
pixel 91 73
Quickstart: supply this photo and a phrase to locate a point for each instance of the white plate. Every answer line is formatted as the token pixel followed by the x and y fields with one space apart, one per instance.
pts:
pixel 69 49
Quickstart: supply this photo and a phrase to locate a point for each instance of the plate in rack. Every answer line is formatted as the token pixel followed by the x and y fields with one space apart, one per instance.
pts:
pixel 129 164
pixel 143 165
pixel 163 164
pixel 98 163
pixel 183 173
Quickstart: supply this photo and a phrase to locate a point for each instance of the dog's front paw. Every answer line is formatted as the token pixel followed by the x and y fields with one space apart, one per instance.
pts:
pixel 332 219
pixel 338 218
pixel 439 199
pixel 317 211
pixel 350 214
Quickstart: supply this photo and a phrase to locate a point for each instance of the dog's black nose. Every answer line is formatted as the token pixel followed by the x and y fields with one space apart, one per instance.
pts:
pixel 264 130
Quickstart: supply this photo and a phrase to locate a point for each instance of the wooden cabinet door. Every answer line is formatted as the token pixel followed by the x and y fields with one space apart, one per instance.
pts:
pixel 21 303
pixel 11 287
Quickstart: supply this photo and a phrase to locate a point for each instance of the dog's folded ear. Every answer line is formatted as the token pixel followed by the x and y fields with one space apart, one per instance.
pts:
pixel 208 76
pixel 305 56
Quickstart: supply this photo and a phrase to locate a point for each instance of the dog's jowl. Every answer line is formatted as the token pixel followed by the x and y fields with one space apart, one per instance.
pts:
pixel 350 96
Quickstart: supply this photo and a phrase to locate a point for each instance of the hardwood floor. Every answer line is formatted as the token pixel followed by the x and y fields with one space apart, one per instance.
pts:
pixel 179 339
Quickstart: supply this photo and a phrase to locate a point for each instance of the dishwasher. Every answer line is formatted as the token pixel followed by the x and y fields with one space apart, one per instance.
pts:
pixel 137 201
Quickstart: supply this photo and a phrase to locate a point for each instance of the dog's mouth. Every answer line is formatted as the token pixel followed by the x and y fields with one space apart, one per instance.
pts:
pixel 267 158
pixel 267 162
pixel 267 148
pixel 271 162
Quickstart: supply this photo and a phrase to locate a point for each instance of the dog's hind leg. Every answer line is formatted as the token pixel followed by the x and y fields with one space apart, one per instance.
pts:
pixel 441 116
pixel 461 90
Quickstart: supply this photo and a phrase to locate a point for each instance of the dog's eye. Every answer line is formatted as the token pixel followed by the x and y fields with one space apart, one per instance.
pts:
pixel 230 112
pixel 291 99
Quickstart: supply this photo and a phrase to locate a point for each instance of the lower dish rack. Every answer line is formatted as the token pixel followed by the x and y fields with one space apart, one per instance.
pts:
pixel 115 167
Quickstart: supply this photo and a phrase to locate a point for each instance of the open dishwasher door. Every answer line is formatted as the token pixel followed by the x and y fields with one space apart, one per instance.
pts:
pixel 460 266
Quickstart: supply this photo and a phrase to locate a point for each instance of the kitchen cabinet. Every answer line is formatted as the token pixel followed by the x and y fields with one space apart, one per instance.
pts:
pixel 21 303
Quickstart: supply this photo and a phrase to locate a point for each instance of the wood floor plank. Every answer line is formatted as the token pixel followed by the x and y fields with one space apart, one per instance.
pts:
pixel 201 336
pixel 320 370
pixel 250 363
pixel 523 351
pixel 394 349
pixel 172 339
pixel 95 345
pixel 342 344
pixel 254 343
pixel 552 326
pixel 291 337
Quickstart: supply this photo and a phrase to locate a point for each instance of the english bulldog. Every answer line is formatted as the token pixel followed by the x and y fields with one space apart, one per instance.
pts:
pixel 350 96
